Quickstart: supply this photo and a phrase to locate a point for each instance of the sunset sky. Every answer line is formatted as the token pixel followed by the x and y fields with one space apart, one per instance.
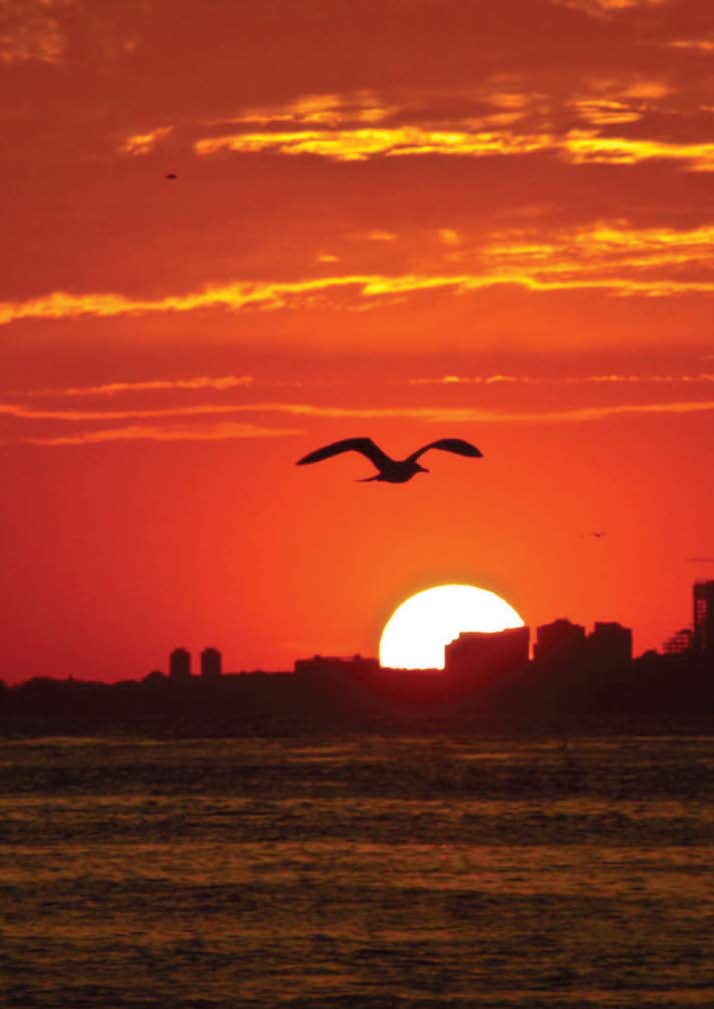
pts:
pixel 491 221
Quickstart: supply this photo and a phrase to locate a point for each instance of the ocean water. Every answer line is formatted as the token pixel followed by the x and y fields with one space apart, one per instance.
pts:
pixel 372 873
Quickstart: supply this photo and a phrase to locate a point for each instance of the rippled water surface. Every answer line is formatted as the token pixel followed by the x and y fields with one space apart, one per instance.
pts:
pixel 373 873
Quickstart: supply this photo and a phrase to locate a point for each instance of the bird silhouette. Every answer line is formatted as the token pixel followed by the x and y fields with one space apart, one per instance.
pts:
pixel 171 175
pixel 390 470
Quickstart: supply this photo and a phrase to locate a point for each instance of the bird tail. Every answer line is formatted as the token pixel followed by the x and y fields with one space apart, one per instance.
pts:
pixel 369 479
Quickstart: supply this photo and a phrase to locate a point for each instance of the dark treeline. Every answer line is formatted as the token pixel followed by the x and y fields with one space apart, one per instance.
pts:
pixel 655 693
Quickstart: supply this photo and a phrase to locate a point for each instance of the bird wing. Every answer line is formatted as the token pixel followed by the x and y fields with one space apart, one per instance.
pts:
pixel 364 445
pixel 457 445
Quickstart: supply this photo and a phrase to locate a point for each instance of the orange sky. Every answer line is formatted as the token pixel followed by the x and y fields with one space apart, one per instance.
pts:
pixel 407 221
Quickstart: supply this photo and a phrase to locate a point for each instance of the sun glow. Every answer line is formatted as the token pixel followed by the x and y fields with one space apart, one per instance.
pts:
pixel 416 633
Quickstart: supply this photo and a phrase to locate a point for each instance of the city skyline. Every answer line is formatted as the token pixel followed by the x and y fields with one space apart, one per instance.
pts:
pixel 559 636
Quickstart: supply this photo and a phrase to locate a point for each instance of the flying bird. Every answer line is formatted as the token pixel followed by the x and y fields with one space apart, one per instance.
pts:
pixel 171 175
pixel 390 470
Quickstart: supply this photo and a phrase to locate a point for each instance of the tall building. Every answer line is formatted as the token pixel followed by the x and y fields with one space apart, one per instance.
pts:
pixel 211 664
pixel 610 646
pixel 704 617
pixel 559 642
pixel 680 643
pixel 179 665
pixel 481 657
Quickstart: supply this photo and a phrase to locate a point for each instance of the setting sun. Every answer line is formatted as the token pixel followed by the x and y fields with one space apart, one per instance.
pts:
pixel 416 633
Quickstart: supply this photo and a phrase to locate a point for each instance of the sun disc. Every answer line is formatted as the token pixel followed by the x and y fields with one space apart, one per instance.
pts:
pixel 416 633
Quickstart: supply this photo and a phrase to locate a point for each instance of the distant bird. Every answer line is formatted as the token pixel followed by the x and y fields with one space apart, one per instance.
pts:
pixel 390 470
pixel 599 534
pixel 171 175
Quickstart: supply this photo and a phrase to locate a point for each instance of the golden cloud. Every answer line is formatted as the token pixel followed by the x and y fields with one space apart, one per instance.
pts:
pixel 359 144
pixel 144 143
pixel 511 264
pixel 583 147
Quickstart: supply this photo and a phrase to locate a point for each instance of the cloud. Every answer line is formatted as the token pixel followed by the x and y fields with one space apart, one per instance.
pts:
pixel 22 412
pixel 605 111
pixel 491 120
pixel 705 46
pixel 225 431
pixel 377 236
pixel 165 427
pixel 604 8
pixel 201 382
pixel 601 380
pixel 449 237
pixel 576 146
pixel 604 249
pixel 274 295
pixel 439 414
pixel 144 143
pixel 583 147
pixel 359 144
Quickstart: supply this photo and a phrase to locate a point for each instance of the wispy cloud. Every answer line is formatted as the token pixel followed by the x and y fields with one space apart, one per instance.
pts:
pixel 377 236
pixel 359 144
pixel 576 146
pixel 590 147
pixel 144 143
pixel 601 380
pixel 705 45
pixel 604 8
pixel 607 249
pixel 483 415
pixel 225 431
pixel 21 412
pixel 199 383
pixel 274 295
pixel 165 428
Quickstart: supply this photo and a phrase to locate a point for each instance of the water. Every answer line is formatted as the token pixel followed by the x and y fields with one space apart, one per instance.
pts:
pixel 371 873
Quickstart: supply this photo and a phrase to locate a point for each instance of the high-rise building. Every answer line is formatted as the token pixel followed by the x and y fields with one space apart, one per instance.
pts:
pixel 610 646
pixel 481 657
pixel 680 643
pixel 211 664
pixel 704 617
pixel 180 665
pixel 559 642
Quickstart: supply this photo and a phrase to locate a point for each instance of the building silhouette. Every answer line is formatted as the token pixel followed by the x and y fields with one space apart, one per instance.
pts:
pixel 180 666
pixel 211 664
pixel 703 599
pixel 326 669
pixel 610 646
pixel 680 643
pixel 560 642
pixel 481 657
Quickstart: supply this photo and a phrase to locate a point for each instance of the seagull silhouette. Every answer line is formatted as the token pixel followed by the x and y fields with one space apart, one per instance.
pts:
pixel 390 470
